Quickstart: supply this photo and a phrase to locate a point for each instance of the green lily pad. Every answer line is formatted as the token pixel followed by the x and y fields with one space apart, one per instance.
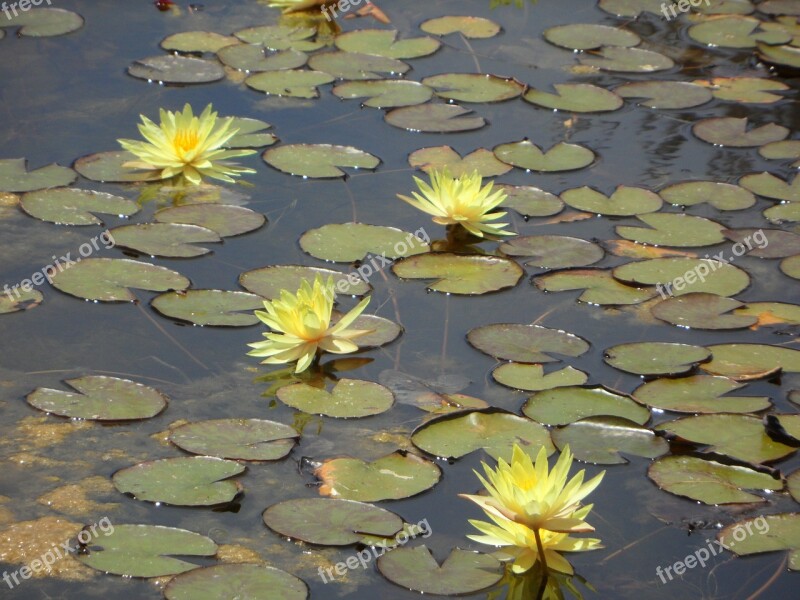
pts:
pixel 318 160
pixel 225 220
pixel 250 133
pixel 183 481
pixel 699 310
pixel 146 551
pixel 774 243
pixel 783 213
pixel 779 7
pixel 474 87
pixel 553 251
pixel 739 436
pixel 349 242
pixel 708 481
pixel 655 358
pixel 43 22
pixel 236 439
pixel 392 477
pixel 532 378
pixel 236 581
pixel 165 239
pixel 19 300
pixel 725 7
pixel 292 83
pixel 218 308
pixel 779 55
pixel 565 405
pixel 460 274
pixel 530 201
pixel 100 398
pixel 434 118
pixel 254 58
pixel 751 90
pixel 785 149
pixel 627 60
pixel 15 177
pixel 469 27
pixel 196 42
pixel 355 66
pixel 269 281
pixel 630 8
pixel 109 279
pixel 768 185
pixel 71 206
pixel 388 93
pixel 561 157
pixel 599 287
pixel 525 343
pixel 722 196
pixel 603 440
pixel 281 37
pixel 698 394
pixel 330 522
pixel 444 157
pixel 589 36
pixel 107 167
pixel 623 202
pixel 675 230
pixel 772 533
pixel 793 485
pixel 751 361
pixel 730 131
pixel 493 430
pixel 678 275
pixel 576 97
pixel 791 266
pixel 737 31
pixel 381 331
pixel 171 68
pixel 383 42
pixel 462 572
pixel 665 94
pixel 771 313
pixel 349 398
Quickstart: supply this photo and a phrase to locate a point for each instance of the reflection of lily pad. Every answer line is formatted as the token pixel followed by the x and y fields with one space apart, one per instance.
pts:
pixel 318 160
pixel 565 405
pixel 532 378
pixel 460 274
pixel 219 308
pixel 561 157
pixel 770 534
pixel 269 281
pixel 525 343
pixel 248 581
pixel 349 398
pixel 698 394
pixel 14 176
pixel 236 439
pixel 655 358
pixel 553 251
pixel 599 287
pixel 603 440
pixel 349 242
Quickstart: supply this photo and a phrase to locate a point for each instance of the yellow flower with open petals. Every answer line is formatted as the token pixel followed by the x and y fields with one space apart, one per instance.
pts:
pixel 460 200
pixel 183 144
pixel 300 326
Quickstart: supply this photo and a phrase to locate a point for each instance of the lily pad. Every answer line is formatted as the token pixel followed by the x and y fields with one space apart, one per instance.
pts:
pixel 474 87
pixel 630 8
pixel 655 358
pixel 165 239
pixel 764 243
pixel 751 361
pixel 791 266
pixel 530 201
pixel 383 42
pixel 183 481
pixel 269 281
pixel 100 398
pixel 355 66
pixel 561 157
pixel 576 97
pixel 196 42
pixel 250 133
pixel 460 274
pixel 768 185
pixel 281 37
pixel 603 440
pixel 589 36
pixel 751 90
pixel 218 308
pixel 15 177
pixel 462 572
pixel 627 60
pixel 699 310
pixel 388 93
pixel 43 22
pixel 72 206
pixel 674 230
pixel 172 68
pixel 532 378
pixel 774 533
pixel 722 196
pixel 109 279
pixel 698 394
pixel 318 160
pixel 624 201
pixel 599 287
pixel 434 118
pixel 349 242
pixel 254 58
pixel 224 219
pixel 665 94
pixel 737 31
pixel 19 300
pixel 107 167
pixel 236 439
pixel 553 251
pixel 785 149
pixel 293 83
pixel 779 55
pixel 349 398
pixel 730 131
pixel 771 313
pixel 565 405
pixel 783 213
pixel 236 581
pixel 469 27
pixel 708 481
pixel 525 343
pixel 678 275
pixel 444 157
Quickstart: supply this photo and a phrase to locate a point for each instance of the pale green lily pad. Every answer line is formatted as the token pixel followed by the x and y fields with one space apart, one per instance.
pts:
pixel 737 31
pixel 525 343
pixel 589 36
pixel 785 149
pixel 733 132
pixel 355 66
pixel 779 7
pixel 708 481
pixel 530 201
pixel 250 133
pixel 678 275
pixel 42 22
pixel 751 361
pixel 164 239
pixel 698 394
pixel 330 522
pixel 665 94
pixel 459 273
pixel 561 157
pixel 281 37
pixel 675 230
pixel 553 251
pixel 722 196
pixel 236 439
pixel 772 533
pixel 699 310
pixel 107 167
pixel 576 97
pixel 603 440
pixel 350 242
pixel 444 157
pixel 19 300
pixel 196 42
pixel 109 279
pixel 768 185
pixel 462 572
pixel 655 358
pixel 269 281
pixel 241 581
pixel 318 160
pixel 565 405
pixel 474 87
pixel 225 220
pixel 599 287
pixel 383 42
pixel 769 243
pixel 183 481
pixel 72 206
pixel 630 8
pixel 254 58
pixel 171 68
pixel 779 55
pixel 434 118
pixel 751 90
pixel 771 313
pixel 392 477
pixel 627 60
pixel 349 398
pixel 532 378
pixel 625 201
pixel 739 436
pixel 493 430
pixel 725 7
pixel 388 93
pixel 292 83
pixel 791 266
pixel 146 551
pixel 15 177
pixel 100 398
pixel 217 308
pixel 788 212
pixel 469 27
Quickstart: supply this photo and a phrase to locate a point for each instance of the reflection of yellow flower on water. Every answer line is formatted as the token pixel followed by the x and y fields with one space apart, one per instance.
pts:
pixel 183 144
pixel 300 326
pixel 460 201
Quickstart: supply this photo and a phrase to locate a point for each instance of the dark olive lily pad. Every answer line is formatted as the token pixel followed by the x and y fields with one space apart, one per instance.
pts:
pixel 388 93
pixel 553 251
pixel 737 31
pixel 532 378
pixel 349 398
pixel 236 439
pixel 172 68
pixel 444 157
pixel 474 87
pixel 240 581
pixel 576 97
pixel 730 131
pixel 293 83
pixel 625 201
pixel 318 160
pixel 349 242
pixel 603 440
pixel 722 196
pixel 460 274
pixel 108 167
pixel 525 343
pixel 355 66
pixel 434 118
pixel 655 358
pixel 225 220
pixel 627 60
pixel 772 533
pixel 700 310
pixel 561 157
pixel 665 94
pixel 599 287
pixel 530 201
pixel 165 239
pixel 383 42
pixel 71 206
pixel 15 177
pixel 698 394
pixel 678 276
pixel 565 405
pixel 589 36
pixel 751 361
pixel 218 308
pixel 779 55
pixel 469 27
pixel 42 22
pixel 269 281
pixel 764 243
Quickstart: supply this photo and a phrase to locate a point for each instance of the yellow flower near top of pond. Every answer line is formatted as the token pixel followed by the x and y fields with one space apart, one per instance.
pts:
pixel 300 326
pixel 187 145
pixel 288 6
pixel 460 201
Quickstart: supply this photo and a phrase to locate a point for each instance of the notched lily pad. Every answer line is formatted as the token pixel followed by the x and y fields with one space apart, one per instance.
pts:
pixel 281 37
pixel 224 219
pixel 553 251
pixel 349 242
pixel 248 581
pixel 625 201
pixel 255 58
pixel 525 343
pixel 459 273
pixel 589 36
pixel 603 440
pixel 561 157
pixel 730 131
pixel 349 398
pixel 677 276
pixel 576 97
pixel 290 82
pixel 355 66
pixel 269 281
pixel 751 361
pixel 388 93
pixel 173 68
pixel 722 196
pixel 171 240
pixel 383 42
pixel 19 300
pixel 665 94
pixel 15 177
pixel 756 90
pixel 532 378
pixel 699 310
pixel 474 87
pixel 698 394
pixel 318 160
pixel 565 405
pixel 626 60
pixel 236 439
pixel 198 42
pixel 42 22
pixel 72 206
pixel 444 157
pixel 434 118
pixel 772 533
pixel 737 31
pixel 599 287
pixel 218 308
pixel 530 201
pixel 655 358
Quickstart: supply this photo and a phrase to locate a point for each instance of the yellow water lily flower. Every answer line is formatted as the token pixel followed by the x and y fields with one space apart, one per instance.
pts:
pixel 460 200
pixel 534 496
pixel 300 326
pixel 183 144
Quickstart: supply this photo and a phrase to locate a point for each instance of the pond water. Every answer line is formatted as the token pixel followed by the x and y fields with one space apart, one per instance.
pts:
pixel 69 96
